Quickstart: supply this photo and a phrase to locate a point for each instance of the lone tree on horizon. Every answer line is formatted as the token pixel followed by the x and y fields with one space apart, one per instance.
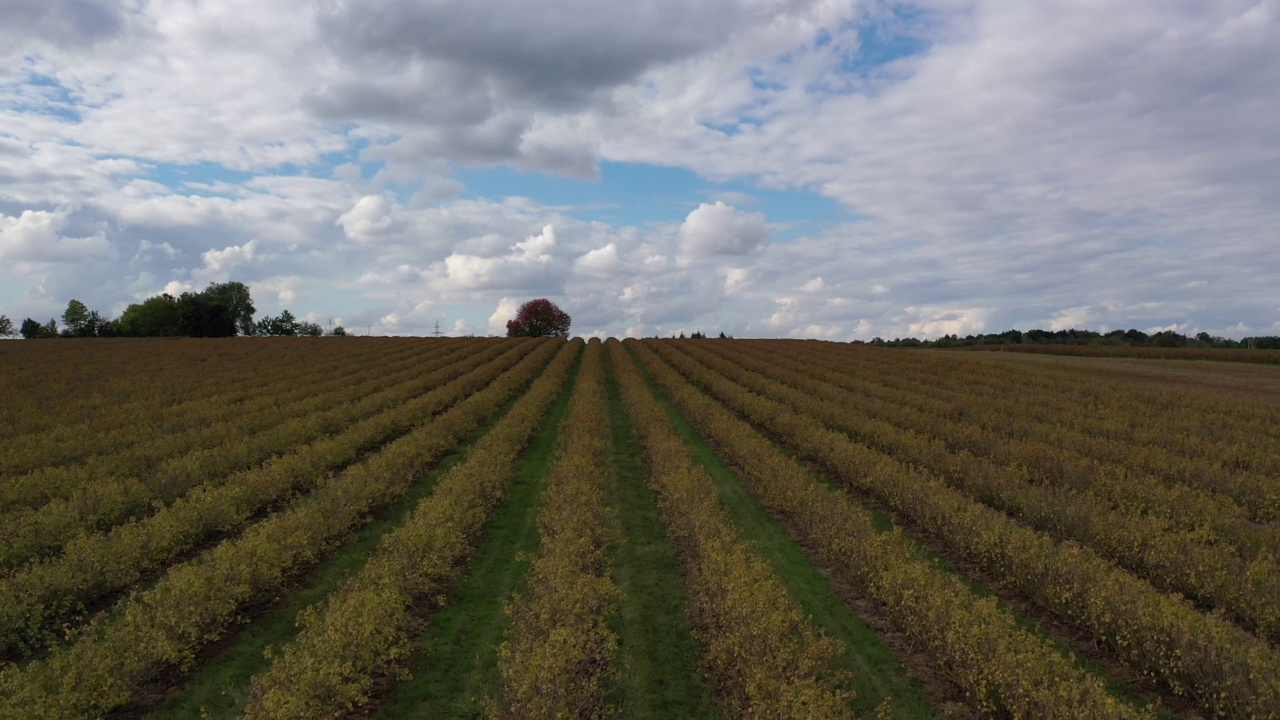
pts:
pixel 539 318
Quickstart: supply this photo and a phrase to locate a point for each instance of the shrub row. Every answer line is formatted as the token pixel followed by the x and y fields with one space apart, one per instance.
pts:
pixel 1005 670
pixel 558 658
pixel 1213 444
pixel 1211 574
pixel 154 632
pixel 1121 428
pixel 96 502
pixel 966 418
pixel 39 599
pixel 137 446
pixel 764 656
pixel 365 631
pixel 1223 668
pixel 145 401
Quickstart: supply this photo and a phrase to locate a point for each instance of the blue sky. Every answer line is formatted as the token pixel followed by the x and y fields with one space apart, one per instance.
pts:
pixel 808 169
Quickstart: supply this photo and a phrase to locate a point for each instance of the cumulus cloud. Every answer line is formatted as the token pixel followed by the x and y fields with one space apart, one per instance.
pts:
pixel 936 321
pixel 601 261
pixel 721 229
pixel 523 267
pixel 368 219
pixel 506 311
pixel 36 236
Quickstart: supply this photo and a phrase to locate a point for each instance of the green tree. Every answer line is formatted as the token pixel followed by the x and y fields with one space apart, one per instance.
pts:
pixel 159 316
pixel 6 327
pixel 310 329
pixel 338 331
pixel 539 318
pixel 235 298
pixel 76 319
pixel 205 315
pixel 33 330
pixel 284 324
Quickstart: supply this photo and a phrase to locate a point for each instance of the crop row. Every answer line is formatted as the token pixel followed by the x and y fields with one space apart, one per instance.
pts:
pixel 37 600
pixel 1223 668
pixel 365 631
pixel 122 440
pixel 1052 457
pixel 763 654
pixel 1174 434
pixel 133 382
pixel 559 655
pixel 1264 357
pixel 160 629
pixel 99 503
pixel 1213 574
pixel 1004 669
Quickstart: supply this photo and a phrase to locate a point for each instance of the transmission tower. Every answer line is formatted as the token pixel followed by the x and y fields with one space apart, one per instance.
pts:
pixel 438 332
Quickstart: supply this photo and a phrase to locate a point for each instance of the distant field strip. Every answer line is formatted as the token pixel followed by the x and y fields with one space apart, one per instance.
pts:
pixel 527 529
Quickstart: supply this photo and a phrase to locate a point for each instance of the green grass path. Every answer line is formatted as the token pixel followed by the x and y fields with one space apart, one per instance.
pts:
pixel 456 666
pixel 875 673
pixel 1117 686
pixel 220 687
pixel 658 656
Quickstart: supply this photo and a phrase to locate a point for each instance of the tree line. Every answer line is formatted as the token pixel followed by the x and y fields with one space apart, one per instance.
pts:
pixel 1114 338
pixel 220 310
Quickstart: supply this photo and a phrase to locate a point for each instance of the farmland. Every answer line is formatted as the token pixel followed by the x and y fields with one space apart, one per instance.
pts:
pixel 530 528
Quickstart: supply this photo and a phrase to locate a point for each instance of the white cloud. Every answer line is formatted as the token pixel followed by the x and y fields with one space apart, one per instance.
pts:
pixel 721 229
pixel 505 312
pixel 814 285
pixel 601 261
pixel 220 264
pixel 527 262
pixel 36 236
pixel 932 322
pixel 368 219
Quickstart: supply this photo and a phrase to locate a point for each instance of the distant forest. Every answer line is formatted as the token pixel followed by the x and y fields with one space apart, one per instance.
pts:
pixel 1115 338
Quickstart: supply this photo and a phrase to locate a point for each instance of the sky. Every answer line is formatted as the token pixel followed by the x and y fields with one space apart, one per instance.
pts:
pixel 834 169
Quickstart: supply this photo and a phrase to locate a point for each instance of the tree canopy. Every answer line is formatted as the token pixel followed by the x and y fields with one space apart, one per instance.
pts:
pixel 539 318
pixel 6 327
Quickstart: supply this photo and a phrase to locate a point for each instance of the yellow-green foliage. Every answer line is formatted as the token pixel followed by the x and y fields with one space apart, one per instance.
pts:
pixel 1003 668
pixel 157 630
pixel 54 504
pixel 1228 671
pixel 35 600
pixel 364 632
pixel 558 660
pixel 1213 573
pixel 766 658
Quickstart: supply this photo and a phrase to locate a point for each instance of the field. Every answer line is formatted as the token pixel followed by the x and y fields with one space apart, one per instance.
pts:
pixel 513 528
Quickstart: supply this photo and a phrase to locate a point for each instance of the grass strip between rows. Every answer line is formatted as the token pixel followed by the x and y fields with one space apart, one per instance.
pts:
pixel 1002 667
pixel 161 629
pixel 454 665
pixel 764 656
pixel 559 655
pixel 662 679
pixel 364 633
pixel 875 675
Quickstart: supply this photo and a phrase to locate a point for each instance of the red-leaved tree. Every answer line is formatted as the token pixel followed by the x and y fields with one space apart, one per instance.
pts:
pixel 539 318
